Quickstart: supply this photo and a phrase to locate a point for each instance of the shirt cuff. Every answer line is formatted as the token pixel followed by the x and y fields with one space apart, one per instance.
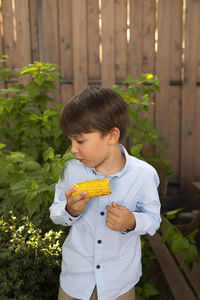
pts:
pixel 69 220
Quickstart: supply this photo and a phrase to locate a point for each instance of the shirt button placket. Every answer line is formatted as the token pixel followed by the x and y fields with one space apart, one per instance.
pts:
pixel 98 255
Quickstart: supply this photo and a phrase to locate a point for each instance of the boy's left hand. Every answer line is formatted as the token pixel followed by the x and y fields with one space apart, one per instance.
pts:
pixel 119 218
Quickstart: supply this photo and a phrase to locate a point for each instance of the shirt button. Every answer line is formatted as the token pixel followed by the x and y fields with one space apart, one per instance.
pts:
pixel 70 219
pixel 102 213
pixel 98 266
pixel 99 241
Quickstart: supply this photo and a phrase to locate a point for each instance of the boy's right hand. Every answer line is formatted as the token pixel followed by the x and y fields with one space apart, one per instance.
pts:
pixel 75 205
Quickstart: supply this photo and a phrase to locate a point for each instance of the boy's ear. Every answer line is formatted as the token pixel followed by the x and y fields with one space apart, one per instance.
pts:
pixel 114 135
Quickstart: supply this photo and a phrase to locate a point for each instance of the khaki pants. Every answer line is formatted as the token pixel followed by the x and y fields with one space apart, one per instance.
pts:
pixel 130 295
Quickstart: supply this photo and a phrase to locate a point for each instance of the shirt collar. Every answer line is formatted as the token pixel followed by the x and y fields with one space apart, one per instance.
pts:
pixel 118 174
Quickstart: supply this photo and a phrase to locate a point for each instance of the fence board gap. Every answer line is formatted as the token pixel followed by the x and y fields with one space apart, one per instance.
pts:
pixel 35 53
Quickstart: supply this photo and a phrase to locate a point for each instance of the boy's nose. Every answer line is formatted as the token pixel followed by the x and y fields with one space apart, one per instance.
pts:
pixel 74 149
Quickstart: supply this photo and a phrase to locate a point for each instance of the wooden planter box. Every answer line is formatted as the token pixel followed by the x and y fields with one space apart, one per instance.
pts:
pixel 183 283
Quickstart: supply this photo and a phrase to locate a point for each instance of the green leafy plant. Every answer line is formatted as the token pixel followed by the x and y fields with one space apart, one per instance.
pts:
pixel 34 150
pixel 138 94
pixel 145 288
pixel 29 121
pixel 177 241
pixel 27 185
pixel 164 169
pixel 30 260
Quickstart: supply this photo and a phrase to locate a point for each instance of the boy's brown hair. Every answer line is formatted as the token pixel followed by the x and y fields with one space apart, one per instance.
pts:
pixel 94 109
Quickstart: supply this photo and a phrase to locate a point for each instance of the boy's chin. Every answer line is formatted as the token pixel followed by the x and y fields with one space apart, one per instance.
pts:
pixel 87 164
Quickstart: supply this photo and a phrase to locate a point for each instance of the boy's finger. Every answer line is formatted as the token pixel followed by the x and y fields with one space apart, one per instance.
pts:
pixel 70 191
pixel 111 218
pixel 77 197
pixel 80 196
pixel 113 211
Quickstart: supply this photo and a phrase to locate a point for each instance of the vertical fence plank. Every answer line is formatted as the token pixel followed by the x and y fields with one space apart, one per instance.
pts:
pixel 121 39
pixel 35 54
pixel 48 35
pixel 9 33
pixel 93 40
pixel 2 84
pixel 189 93
pixel 108 44
pixel 197 117
pixel 79 45
pixel 196 174
pixel 48 30
pixel 148 55
pixel 163 63
pixel 148 37
pixel 175 91
pixel 135 45
pixel 66 49
pixel 23 45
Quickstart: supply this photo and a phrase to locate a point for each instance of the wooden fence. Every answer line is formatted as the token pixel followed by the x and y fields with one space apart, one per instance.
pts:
pixel 100 42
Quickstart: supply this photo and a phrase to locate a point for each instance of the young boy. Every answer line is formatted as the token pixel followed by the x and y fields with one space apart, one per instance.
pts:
pixel 102 253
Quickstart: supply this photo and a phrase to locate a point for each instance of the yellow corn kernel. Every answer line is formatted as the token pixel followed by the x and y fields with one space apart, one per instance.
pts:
pixel 94 188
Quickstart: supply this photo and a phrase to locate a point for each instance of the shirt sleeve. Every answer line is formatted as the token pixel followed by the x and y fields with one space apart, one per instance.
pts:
pixel 147 212
pixel 58 213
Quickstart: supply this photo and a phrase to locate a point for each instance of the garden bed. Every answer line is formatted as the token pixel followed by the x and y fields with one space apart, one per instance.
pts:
pixel 183 283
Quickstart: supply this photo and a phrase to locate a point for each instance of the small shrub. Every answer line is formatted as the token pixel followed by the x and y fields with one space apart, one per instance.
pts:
pixel 30 261
pixel 138 95
pixel 34 149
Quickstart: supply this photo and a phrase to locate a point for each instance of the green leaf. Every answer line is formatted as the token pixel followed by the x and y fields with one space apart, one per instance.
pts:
pixel 178 243
pixel 28 71
pixel 2 146
pixel 51 155
pixel 68 155
pixel 17 156
pixel 33 206
pixel 149 290
pixel 30 165
pixel 47 153
pixel 145 98
pixel 135 150
pixel 173 212
pixel 168 233
pixel 129 80
pixel 190 256
pixel 35 117
pixel 33 88
pixel 192 235
pixel 56 169
pixel 34 185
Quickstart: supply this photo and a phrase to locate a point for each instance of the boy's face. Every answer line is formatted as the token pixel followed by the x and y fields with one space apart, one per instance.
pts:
pixel 92 149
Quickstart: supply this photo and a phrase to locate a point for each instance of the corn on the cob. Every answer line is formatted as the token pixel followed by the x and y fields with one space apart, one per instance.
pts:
pixel 94 188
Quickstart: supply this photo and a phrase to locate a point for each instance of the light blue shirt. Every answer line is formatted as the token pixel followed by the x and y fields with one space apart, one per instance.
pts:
pixel 93 254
